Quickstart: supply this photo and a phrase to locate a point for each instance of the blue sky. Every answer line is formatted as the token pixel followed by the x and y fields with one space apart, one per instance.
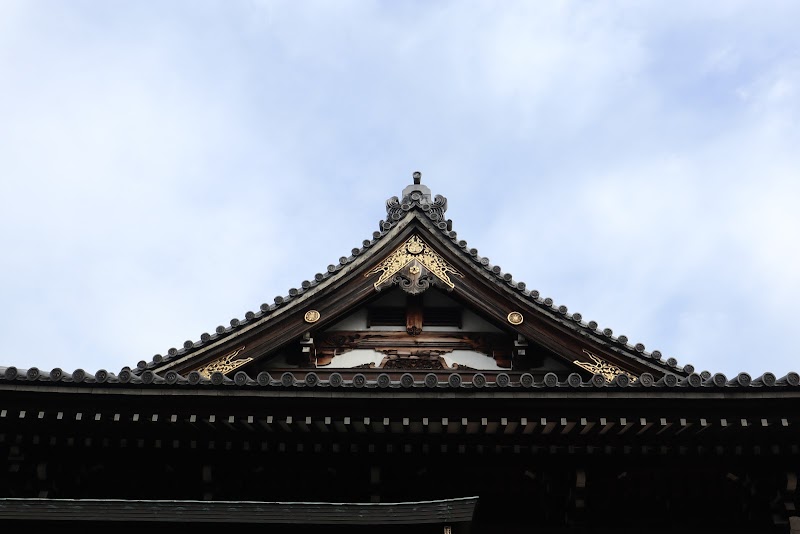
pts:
pixel 168 166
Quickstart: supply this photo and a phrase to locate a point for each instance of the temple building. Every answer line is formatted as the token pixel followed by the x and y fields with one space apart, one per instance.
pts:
pixel 410 387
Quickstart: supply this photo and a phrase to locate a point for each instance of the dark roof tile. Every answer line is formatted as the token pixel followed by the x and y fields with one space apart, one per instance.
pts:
pixel 323 379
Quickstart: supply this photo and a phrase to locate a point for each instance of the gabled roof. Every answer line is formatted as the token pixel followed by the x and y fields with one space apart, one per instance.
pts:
pixel 418 213
pixel 419 218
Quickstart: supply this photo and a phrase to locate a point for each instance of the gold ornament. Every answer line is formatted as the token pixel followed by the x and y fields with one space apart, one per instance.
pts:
pixel 224 365
pixel 414 249
pixel 311 316
pixel 515 317
pixel 601 367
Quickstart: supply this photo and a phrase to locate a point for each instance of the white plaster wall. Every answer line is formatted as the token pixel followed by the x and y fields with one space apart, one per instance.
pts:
pixel 355 358
pixel 473 359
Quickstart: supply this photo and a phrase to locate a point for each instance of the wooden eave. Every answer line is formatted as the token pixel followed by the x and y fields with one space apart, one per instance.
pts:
pixel 480 289
pixel 564 413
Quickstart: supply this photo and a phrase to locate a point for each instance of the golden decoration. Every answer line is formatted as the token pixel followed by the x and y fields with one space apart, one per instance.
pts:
pixel 224 365
pixel 414 249
pixel 601 367
pixel 414 269
pixel 515 317
pixel 311 316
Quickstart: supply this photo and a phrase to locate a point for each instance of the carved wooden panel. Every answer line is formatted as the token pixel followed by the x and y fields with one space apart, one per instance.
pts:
pixel 415 266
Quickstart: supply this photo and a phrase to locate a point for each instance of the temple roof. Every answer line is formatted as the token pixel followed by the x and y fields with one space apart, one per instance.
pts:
pixel 416 207
pixel 417 200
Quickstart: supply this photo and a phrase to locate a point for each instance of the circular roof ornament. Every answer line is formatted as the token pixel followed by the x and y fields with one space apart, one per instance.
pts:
pixel 407 380
pixel 287 379
pixel 384 381
pixel 359 380
pixel 515 317
pixel 263 378
pixel 312 379
pixel 454 380
pixel 335 380
pixel 311 316
pixel 526 380
pixel 414 248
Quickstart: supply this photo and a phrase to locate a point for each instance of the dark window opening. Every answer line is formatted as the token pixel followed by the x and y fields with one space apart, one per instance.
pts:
pixel 441 317
pixel 395 316
pixel 386 317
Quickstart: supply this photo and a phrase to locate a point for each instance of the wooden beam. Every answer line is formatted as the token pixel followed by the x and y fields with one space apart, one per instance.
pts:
pixel 528 426
pixel 509 427
pixel 342 426
pixel 664 425
pixel 323 425
pixel 286 423
pixel 304 423
pixel 361 424
pixel 547 427
pixel 606 424
pixel 644 425
pixel 566 425
pixel 586 426
pixel 624 425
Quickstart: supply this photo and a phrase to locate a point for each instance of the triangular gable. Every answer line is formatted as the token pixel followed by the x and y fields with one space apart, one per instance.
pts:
pixel 418 253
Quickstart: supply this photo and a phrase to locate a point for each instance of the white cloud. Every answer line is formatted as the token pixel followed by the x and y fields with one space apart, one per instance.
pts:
pixel 165 169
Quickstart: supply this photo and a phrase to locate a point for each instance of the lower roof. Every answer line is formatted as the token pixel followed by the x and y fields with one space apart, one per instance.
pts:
pixel 456 510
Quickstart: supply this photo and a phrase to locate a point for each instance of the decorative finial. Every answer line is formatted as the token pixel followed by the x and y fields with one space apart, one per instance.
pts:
pixel 417 195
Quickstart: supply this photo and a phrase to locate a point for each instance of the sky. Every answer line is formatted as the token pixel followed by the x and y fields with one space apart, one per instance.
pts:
pixel 168 166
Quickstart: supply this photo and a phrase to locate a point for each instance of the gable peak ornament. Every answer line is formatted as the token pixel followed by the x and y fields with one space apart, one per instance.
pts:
pixel 414 266
pixel 419 196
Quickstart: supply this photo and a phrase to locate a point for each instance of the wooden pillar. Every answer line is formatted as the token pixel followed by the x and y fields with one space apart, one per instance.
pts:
pixel 309 358
pixel 414 315
pixel 576 505
pixel 375 482
pixel 208 481
pixel 790 504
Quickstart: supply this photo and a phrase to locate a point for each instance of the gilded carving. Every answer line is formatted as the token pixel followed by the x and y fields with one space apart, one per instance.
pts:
pixel 311 316
pixel 414 254
pixel 224 365
pixel 602 367
pixel 515 317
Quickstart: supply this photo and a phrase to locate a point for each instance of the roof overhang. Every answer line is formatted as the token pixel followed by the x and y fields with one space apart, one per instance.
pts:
pixel 458 510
